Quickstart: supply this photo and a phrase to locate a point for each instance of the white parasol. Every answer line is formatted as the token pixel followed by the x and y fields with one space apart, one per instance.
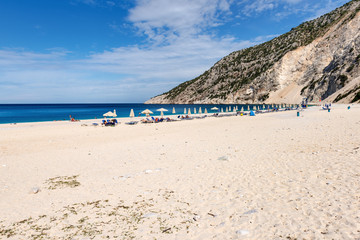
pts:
pixel 132 114
pixel 147 112
pixel 162 110
pixel 110 114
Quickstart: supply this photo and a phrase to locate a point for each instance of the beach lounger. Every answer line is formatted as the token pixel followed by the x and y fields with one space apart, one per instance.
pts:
pixel 131 123
pixel 146 121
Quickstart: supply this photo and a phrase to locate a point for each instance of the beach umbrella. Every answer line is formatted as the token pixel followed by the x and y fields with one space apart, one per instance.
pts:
pixel 263 106
pixel 214 108
pixel 222 110
pixel 234 109
pixel 132 114
pixel 200 111
pixel 184 110
pixel 189 111
pixel 194 110
pixel 110 114
pixel 205 110
pixel 173 111
pixel 242 109
pixel 147 112
pixel 162 110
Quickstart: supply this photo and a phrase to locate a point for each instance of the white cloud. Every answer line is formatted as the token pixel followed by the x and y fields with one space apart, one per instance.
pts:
pixel 259 6
pixel 123 74
pixel 285 8
pixel 110 3
pixel 163 20
pixel 183 59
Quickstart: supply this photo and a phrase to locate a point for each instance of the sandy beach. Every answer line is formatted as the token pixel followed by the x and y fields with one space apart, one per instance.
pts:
pixel 272 176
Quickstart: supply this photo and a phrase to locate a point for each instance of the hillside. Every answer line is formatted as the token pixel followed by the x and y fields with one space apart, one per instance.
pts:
pixel 319 59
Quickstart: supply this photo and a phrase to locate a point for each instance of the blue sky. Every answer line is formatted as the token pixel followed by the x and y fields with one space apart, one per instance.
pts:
pixel 98 51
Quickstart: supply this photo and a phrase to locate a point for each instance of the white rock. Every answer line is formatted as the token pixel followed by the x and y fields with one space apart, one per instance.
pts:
pixel 35 190
pixel 223 158
pixel 242 232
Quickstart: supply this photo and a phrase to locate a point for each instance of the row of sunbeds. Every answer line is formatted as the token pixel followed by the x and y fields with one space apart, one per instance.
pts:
pixel 113 122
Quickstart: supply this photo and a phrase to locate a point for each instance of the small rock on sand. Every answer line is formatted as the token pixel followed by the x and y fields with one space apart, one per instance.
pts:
pixel 34 190
pixel 250 211
pixel 242 232
pixel 223 158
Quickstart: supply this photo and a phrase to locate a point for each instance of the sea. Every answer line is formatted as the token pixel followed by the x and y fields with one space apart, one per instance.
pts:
pixel 20 113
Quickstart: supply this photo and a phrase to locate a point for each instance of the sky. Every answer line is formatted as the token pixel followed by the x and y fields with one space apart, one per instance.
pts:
pixel 127 51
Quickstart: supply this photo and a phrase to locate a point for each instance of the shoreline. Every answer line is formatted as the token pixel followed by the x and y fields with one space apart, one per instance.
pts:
pixel 138 118
pixel 61 118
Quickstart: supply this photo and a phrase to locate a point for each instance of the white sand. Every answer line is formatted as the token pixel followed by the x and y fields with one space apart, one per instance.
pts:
pixel 273 176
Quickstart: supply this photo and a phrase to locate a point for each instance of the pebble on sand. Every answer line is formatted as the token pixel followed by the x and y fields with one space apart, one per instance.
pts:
pixel 34 190
pixel 223 158
pixel 242 232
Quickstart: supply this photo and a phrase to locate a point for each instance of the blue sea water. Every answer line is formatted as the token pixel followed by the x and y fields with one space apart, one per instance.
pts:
pixel 17 113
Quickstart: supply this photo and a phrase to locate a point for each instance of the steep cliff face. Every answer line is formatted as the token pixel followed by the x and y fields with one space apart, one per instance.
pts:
pixel 319 59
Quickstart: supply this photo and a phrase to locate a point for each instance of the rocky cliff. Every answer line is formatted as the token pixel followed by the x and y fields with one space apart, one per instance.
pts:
pixel 319 59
